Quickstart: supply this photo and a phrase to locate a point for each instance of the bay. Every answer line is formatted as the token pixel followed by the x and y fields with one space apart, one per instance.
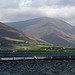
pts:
pixel 37 67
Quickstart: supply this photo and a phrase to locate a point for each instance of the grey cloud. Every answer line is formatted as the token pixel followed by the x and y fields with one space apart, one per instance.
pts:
pixel 20 14
pixel 67 2
pixel 18 10
pixel 36 3
pixel 6 4
pixel 60 3
pixel 56 3
pixel 52 2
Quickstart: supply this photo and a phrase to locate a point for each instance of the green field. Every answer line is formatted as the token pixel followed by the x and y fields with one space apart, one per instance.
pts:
pixel 21 46
pixel 10 44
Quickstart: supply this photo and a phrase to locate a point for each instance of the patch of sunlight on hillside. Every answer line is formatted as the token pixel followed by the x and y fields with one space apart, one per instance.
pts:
pixel 7 38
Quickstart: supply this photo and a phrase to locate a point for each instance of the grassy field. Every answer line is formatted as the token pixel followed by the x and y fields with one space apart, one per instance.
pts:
pixel 35 47
pixel 21 45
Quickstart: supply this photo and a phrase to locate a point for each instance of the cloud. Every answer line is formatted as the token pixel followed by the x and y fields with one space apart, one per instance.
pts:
pixel 18 10
pixel 67 2
pixel 5 4
pixel 39 3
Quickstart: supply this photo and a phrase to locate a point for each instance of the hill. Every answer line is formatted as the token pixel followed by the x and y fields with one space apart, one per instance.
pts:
pixel 51 30
pixel 12 38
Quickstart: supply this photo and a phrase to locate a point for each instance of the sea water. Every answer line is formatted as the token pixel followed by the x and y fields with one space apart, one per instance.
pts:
pixel 37 67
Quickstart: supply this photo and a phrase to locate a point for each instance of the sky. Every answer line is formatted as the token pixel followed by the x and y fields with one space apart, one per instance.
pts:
pixel 21 10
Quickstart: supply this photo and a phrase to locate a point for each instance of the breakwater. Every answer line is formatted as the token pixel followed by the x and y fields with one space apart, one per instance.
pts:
pixel 38 58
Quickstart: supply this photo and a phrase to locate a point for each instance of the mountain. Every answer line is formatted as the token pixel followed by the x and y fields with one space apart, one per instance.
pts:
pixel 73 29
pixel 51 30
pixel 12 37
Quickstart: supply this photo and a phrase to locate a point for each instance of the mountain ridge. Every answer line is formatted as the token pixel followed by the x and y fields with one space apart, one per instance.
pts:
pixel 10 35
pixel 47 27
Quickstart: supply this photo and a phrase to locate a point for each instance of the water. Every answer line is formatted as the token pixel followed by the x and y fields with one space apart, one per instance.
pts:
pixel 37 67
pixel 34 53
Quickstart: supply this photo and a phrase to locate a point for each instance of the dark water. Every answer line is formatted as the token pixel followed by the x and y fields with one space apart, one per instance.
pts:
pixel 35 53
pixel 37 67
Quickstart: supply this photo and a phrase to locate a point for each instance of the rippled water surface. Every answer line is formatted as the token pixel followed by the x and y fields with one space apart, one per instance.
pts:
pixel 37 67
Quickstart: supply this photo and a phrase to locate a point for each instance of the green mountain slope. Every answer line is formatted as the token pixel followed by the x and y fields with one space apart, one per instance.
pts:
pixel 11 38
pixel 51 30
